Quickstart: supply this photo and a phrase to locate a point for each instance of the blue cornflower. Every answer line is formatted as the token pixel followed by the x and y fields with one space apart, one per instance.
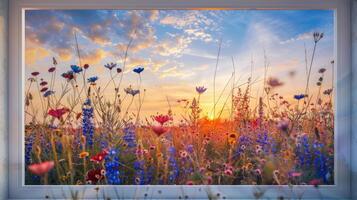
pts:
pixel 92 79
pixel 110 66
pixel 129 136
pixel 264 141
pixel 139 172
pixel 138 70
pixel 112 167
pixel 28 149
pixel 189 148
pixel 243 143
pixel 76 69
pixel 303 152
pixel 48 93
pixel 299 96
pixel 173 167
pixel 87 124
pixel 320 161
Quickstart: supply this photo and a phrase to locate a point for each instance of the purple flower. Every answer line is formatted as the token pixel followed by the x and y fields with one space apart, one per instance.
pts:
pixel 283 125
pixel 132 92
pixel 129 135
pixel 201 89
pixel 110 66
pixel 87 123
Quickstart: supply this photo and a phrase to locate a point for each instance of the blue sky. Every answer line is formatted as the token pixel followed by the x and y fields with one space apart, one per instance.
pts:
pixel 178 48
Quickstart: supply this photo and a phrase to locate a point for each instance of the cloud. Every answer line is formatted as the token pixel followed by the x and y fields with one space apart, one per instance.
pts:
pixel 193 23
pixel 153 65
pixel 302 36
pixel 64 54
pixel 34 54
pixel 94 57
pixel 154 15
pixel 173 46
pixel 175 72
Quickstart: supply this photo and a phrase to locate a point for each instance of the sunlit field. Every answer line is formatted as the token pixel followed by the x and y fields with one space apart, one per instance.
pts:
pixel 88 123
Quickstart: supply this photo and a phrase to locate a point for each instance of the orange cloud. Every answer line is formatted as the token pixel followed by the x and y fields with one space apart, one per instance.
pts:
pixel 64 54
pixel 94 57
pixel 34 54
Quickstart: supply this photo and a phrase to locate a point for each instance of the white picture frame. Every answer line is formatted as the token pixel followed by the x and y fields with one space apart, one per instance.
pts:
pixel 343 77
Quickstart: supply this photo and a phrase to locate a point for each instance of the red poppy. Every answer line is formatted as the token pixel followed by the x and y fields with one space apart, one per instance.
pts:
pixel 162 119
pixel 86 66
pixel 52 69
pixel 41 168
pixel 99 157
pixel 159 130
pixel 95 175
pixel 44 89
pixel 35 73
pixel 58 113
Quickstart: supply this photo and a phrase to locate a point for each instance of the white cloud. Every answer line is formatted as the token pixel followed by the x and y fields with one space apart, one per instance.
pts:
pixel 302 36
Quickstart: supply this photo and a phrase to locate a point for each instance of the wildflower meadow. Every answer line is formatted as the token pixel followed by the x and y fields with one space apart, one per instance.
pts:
pixel 85 128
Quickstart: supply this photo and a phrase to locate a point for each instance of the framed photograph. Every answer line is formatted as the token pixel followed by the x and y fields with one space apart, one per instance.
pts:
pixel 179 100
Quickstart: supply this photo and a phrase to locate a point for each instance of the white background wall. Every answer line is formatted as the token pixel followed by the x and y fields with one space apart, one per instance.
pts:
pixel 354 98
pixel 3 98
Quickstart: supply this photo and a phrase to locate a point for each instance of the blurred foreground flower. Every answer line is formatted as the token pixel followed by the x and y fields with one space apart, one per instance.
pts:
pixel 274 82
pixel 41 168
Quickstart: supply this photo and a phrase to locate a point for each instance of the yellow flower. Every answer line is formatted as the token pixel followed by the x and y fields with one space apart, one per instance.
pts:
pixel 83 154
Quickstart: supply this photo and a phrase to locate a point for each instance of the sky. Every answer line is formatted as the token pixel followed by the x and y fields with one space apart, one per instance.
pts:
pixel 178 49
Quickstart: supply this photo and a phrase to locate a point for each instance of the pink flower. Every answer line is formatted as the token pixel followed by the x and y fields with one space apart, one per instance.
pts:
pixel 41 168
pixel 228 172
pixel 296 174
pixel 58 113
pixel 162 119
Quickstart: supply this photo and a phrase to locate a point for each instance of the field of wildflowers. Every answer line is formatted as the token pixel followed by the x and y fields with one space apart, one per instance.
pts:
pixel 81 136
